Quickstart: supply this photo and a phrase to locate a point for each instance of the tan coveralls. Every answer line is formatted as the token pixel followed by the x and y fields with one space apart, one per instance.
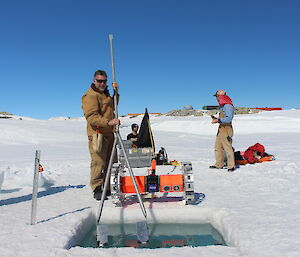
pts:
pixel 98 110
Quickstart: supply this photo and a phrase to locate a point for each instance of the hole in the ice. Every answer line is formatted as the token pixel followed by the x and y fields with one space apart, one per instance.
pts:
pixel 160 236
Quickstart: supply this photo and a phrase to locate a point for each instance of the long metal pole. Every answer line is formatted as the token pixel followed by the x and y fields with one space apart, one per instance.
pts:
pixel 112 58
pixel 35 186
pixel 113 77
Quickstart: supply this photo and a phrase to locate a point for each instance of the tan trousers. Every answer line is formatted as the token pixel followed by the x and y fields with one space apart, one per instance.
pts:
pixel 99 161
pixel 224 145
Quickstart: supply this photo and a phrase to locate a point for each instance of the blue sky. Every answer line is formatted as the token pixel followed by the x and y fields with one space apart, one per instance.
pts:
pixel 168 53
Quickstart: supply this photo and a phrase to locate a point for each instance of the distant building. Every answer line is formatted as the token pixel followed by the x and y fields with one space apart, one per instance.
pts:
pixel 188 107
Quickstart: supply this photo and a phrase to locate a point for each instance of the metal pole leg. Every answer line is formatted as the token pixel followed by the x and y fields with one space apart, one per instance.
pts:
pixel 112 155
pixel 102 229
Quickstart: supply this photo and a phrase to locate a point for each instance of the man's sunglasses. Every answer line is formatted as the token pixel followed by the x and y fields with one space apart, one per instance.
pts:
pixel 101 80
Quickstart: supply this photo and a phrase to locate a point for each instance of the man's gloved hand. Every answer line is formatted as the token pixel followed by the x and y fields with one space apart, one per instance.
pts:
pixel 114 122
pixel 115 85
pixel 214 121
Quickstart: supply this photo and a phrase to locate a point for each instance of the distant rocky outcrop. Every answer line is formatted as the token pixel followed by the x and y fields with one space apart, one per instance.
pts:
pixel 185 113
pixel 244 110
pixel 212 112
pixel 5 115
pixel 191 112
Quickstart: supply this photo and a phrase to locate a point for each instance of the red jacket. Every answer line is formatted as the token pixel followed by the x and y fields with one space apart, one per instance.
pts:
pixel 224 99
pixel 250 153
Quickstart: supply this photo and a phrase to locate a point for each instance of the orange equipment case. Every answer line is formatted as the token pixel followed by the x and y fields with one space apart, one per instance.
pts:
pixel 174 182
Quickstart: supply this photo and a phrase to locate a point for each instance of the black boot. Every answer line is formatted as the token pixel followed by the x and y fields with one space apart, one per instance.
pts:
pixel 214 167
pixel 108 192
pixel 98 193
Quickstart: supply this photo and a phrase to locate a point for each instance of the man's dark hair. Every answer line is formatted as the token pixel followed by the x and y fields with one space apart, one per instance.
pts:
pixel 100 72
pixel 134 126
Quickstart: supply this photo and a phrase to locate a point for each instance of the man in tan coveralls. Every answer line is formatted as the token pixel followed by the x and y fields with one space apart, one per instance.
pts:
pixel 98 108
pixel 225 132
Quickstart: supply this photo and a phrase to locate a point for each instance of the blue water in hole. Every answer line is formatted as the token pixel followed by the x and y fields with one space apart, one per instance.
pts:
pixel 160 236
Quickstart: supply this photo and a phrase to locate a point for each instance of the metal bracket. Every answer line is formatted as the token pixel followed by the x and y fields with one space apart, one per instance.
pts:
pixel 188 180
pixel 115 186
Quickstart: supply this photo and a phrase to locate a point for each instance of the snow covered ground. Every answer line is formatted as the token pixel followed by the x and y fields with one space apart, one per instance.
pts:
pixel 256 208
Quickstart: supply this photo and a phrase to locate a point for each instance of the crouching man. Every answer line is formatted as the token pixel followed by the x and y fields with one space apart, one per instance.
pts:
pixel 98 109
pixel 223 143
pixel 134 134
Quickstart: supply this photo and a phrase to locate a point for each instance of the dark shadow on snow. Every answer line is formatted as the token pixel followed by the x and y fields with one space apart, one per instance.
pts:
pixel 7 191
pixel 49 191
pixel 199 197
pixel 63 214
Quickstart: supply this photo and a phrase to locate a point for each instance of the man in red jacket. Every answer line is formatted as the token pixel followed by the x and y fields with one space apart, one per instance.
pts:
pixel 225 132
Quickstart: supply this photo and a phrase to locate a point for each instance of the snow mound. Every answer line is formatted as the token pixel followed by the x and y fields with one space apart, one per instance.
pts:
pixel 67 118
pixel 23 177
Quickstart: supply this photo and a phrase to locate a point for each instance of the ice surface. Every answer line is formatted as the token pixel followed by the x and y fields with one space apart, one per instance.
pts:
pixel 256 208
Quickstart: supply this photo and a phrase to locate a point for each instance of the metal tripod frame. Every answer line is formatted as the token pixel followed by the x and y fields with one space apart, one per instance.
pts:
pixel 117 140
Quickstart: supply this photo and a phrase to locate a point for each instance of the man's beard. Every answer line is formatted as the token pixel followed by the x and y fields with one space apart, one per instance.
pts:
pixel 102 88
